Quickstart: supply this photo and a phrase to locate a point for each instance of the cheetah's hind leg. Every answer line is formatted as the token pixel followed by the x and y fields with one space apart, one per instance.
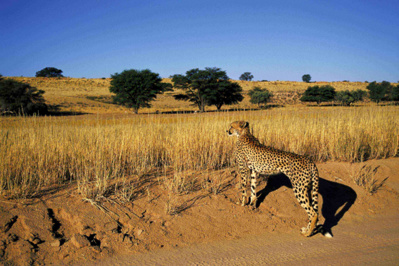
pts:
pixel 302 196
pixel 311 229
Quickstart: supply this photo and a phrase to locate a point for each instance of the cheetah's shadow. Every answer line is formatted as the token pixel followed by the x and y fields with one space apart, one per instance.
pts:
pixel 337 198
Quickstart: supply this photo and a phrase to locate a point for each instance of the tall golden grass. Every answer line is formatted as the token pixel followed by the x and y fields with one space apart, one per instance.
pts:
pixel 96 151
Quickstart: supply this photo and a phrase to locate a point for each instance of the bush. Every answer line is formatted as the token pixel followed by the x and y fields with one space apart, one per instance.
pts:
pixel 20 98
pixel 319 94
pixel 349 97
pixel 259 96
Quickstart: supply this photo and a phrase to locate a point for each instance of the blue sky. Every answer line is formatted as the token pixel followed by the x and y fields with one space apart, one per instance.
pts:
pixel 274 40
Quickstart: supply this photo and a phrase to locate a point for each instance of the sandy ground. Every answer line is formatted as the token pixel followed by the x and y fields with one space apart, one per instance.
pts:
pixel 376 242
pixel 205 226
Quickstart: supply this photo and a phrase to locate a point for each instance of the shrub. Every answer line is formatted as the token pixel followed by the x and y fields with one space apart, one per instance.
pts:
pixel 259 96
pixel 349 97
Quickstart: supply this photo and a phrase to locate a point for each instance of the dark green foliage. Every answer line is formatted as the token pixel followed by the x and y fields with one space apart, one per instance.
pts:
pixel 259 96
pixel 246 76
pixel 306 78
pixel 20 98
pixel 207 87
pixel 319 94
pixel 380 91
pixel 349 97
pixel 137 88
pixel 395 93
pixel 49 72
pixel 225 92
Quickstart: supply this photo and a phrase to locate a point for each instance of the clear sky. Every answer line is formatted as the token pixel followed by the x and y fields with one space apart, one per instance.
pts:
pixel 274 40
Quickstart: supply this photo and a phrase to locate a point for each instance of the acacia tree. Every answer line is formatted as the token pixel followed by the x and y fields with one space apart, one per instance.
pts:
pixel 18 97
pixel 306 78
pixel 207 87
pixel 49 72
pixel 319 94
pixel 225 92
pixel 259 96
pixel 137 88
pixel 246 76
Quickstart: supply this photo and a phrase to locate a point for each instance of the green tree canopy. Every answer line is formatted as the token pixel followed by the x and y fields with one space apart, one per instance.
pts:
pixel 348 97
pixel 137 88
pixel 395 93
pixel 319 94
pixel 306 78
pixel 380 91
pixel 20 98
pixel 210 86
pixel 259 96
pixel 246 76
pixel 225 93
pixel 49 72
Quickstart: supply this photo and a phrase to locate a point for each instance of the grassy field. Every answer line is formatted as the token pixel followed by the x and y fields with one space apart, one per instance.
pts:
pixel 102 152
pixel 92 95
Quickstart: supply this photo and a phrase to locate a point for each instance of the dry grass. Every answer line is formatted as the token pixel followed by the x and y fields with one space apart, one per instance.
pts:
pixel 365 178
pixel 98 152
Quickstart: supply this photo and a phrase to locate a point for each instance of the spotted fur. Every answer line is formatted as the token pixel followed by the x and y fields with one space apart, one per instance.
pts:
pixel 254 158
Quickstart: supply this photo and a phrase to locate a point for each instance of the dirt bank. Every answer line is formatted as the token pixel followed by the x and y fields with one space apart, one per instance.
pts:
pixel 205 226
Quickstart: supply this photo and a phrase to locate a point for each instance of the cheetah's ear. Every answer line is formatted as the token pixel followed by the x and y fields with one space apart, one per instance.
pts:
pixel 244 124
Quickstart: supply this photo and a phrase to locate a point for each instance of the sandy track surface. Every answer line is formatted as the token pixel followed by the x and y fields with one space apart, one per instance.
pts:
pixel 374 242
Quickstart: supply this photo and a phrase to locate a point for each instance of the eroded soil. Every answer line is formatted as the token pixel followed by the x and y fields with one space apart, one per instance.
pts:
pixel 59 227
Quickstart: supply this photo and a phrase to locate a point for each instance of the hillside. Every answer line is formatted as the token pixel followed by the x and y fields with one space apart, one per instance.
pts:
pixel 81 95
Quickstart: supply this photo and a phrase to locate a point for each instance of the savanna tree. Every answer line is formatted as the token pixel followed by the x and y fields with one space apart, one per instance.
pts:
pixel 137 88
pixel 49 72
pixel 319 94
pixel 306 78
pixel 210 86
pixel 20 98
pixel 247 76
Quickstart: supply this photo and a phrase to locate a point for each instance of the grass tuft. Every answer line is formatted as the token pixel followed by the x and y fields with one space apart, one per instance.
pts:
pixel 365 178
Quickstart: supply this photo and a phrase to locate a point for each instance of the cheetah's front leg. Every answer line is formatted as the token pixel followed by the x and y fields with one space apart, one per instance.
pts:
pixel 254 178
pixel 244 172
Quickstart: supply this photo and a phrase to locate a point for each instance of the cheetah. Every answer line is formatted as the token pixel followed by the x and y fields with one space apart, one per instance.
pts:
pixel 255 158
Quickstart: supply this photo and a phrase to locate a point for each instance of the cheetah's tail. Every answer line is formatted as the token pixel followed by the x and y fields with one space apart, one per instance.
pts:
pixel 315 190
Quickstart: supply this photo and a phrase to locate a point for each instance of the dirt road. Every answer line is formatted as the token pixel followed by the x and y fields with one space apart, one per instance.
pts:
pixel 371 241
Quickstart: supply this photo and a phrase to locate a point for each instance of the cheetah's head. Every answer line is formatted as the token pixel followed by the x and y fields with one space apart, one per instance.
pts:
pixel 237 128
